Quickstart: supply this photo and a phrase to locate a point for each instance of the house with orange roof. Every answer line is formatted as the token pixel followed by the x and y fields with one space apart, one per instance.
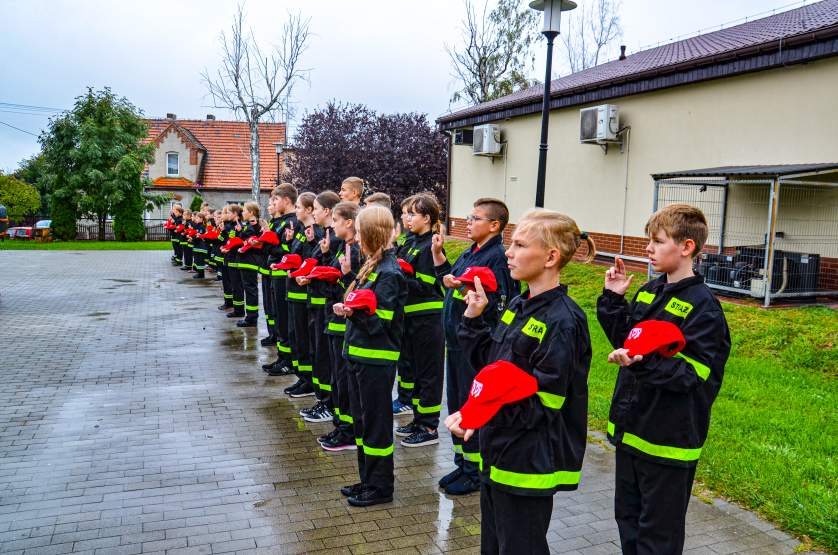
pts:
pixel 211 158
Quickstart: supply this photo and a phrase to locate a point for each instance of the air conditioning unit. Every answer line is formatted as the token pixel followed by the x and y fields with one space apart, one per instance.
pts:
pixel 599 124
pixel 486 140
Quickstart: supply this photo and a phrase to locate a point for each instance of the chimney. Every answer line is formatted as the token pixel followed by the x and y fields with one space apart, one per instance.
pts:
pixel 171 116
pixel 210 116
pixel 622 52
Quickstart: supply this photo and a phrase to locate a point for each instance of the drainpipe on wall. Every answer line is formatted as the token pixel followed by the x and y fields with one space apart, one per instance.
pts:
pixel 450 135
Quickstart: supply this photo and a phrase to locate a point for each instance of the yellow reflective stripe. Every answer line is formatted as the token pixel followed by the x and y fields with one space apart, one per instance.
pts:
pixel 430 305
pixel 507 317
pixel 334 326
pixel 679 308
pixel 645 297
pixel 457 295
pixel 662 451
pixel 534 328
pixel 372 276
pixel 702 370
pixel 320 385
pixel 279 273
pixel 199 250
pixel 611 428
pixel 232 265
pixel 381 354
pixel 427 410
pixel 282 348
pixel 248 267
pixel 228 296
pixel 285 247
pixel 251 307
pixel 264 271
pixel 534 481
pixel 297 296
pixel 304 367
pixel 344 417
pixel 317 300
pixel 384 314
pixel 374 451
pixel 426 278
pixel 550 400
pixel 238 303
pixel 404 384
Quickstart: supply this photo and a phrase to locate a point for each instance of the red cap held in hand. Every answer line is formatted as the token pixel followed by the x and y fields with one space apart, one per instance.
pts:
pixel 655 336
pixel 487 278
pixel 497 384
pixel 288 262
pixel 179 228
pixel 406 266
pixel 362 298
pixel 325 273
pixel 233 243
pixel 304 269
pixel 269 237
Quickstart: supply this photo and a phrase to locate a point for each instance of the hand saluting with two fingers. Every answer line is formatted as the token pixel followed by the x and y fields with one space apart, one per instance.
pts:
pixel 616 278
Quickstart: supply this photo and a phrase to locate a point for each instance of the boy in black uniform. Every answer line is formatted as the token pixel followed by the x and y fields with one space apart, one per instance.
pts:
pixel 265 273
pixel 199 245
pixel 485 226
pixel 534 447
pixel 249 262
pixel 660 412
pixel 185 245
pixel 177 219
pixel 235 212
pixel 284 198
pixel 403 404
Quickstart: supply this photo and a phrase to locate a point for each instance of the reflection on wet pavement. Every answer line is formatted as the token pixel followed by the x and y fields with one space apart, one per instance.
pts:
pixel 134 417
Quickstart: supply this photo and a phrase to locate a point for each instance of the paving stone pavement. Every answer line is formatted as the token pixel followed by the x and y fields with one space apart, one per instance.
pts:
pixel 134 418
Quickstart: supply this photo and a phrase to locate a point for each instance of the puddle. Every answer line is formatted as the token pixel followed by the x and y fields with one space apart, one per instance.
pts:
pixel 93 314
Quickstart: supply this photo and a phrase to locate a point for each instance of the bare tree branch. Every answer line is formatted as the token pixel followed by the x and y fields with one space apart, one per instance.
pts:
pixel 592 33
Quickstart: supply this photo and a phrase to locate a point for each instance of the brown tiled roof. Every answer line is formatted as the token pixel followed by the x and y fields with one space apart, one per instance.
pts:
pixel 227 144
pixel 717 45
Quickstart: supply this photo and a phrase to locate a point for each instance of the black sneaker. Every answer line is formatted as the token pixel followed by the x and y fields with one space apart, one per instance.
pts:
pixel 305 390
pixel 279 369
pixel 267 341
pixel 312 409
pixel 290 388
pixel 369 497
pixel 246 323
pixel 450 477
pixel 321 414
pixel 327 437
pixel 354 489
pixel 463 485
pixel 218 278
pixel 199 275
pixel 338 443
pixel 270 365
pixel 421 438
pixel 225 307
pixel 235 314
pixel 407 430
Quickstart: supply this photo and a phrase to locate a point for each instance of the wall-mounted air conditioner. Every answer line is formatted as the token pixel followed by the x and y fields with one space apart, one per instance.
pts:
pixel 486 140
pixel 599 124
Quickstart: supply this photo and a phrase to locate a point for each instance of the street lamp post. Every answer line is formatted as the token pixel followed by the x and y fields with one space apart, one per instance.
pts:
pixel 279 148
pixel 552 20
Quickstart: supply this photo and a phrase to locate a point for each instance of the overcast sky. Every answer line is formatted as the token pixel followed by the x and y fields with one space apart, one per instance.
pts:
pixel 389 55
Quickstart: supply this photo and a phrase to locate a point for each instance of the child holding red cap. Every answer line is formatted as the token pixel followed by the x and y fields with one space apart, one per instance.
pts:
pixel 233 230
pixel 176 218
pixel 660 412
pixel 372 347
pixel 184 242
pixel 249 262
pixel 485 225
pixel 533 447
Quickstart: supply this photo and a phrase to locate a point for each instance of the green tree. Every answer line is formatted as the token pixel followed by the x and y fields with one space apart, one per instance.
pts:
pixel 196 203
pixel 94 156
pixel 32 170
pixel 18 197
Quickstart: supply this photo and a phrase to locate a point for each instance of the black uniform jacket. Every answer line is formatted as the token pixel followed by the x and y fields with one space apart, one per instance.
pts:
pixel 252 258
pixel 661 406
pixel 334 292
pixel 535 446
pixel 424 289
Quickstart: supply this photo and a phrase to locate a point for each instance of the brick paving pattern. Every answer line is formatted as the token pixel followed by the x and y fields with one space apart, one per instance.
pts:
pixel 134 418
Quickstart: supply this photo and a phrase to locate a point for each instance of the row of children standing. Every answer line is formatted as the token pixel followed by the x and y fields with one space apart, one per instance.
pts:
pixel 348 354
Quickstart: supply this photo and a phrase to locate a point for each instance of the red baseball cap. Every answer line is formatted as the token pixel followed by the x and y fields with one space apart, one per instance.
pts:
pixel 304 269
pixel 362 298
pixel 325 273
pixel 497 384
pixel 233 243
pixel 289 262
pixel 179 228
pixel 269 237
pixel 650 336
pixel 406 266
pixel 487 278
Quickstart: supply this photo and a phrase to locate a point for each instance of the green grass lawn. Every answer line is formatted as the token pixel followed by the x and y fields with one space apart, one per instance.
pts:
pixel 773 443
pixel 21 245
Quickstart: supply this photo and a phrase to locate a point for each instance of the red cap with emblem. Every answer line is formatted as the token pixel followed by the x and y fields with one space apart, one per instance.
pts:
pixel 289 262
pixel 406 266
pixel 497 384
pixel 304 269
pixel 487 278
pixel 363 299
pixel 655 336
pixel 325 273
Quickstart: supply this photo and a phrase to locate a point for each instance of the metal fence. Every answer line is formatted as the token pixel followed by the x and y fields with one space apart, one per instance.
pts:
pixel 89 230
pixel 768 238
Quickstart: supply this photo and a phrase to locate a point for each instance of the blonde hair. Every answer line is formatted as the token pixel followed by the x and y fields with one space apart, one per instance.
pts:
pixel 200 216
pixel 355 183
pixel 346 210
pixel 187 213
pixel 253 208
pixel 680 222
pixel 556 231
pixel 375 227
pixel 381 199
pixel 307 199
pixel 235 209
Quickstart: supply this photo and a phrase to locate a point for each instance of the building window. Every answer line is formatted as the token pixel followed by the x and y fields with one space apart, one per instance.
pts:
pixel 172 166
pixel 239 202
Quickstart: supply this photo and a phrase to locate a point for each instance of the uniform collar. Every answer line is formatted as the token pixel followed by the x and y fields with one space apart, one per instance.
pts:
pixel 532 304
pixel 660 283
pixel 491 242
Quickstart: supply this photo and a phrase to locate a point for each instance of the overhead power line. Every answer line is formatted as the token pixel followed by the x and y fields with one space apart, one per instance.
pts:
pixel 18 128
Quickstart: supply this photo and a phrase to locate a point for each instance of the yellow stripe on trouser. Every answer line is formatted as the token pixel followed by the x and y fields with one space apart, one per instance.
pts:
pixel 380 354
pixel 374 451
pixel 534 481
pixel 427 410
pixel 322 386
pixel 468 455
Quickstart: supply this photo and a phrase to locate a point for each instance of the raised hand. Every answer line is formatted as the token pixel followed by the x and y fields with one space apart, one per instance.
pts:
pixel 616 278
pixel 289 234
pixel 309 233
pixel 346 260
pixel 476 300
pixel 324 243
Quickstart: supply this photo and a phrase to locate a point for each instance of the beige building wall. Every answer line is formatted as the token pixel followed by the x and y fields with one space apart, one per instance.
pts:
pixel 780 116
pixel 173 143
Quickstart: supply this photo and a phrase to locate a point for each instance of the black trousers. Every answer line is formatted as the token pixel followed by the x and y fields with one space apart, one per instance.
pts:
pixel 177 250
pixel 281 316
pixel 425 341
pixel 460 374
pixel 340 387
pixel 199 259
pixel 650 505
pixel 405 381
pixel 187 254
pixel 298 334
pixel 250 284
pixel 237 288
pixel 321 364
pixel 225 283
pixel 513 524
pixel 268 302
pixel 372 413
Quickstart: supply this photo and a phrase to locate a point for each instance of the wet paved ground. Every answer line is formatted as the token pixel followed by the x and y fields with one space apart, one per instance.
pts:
pixel 134 418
